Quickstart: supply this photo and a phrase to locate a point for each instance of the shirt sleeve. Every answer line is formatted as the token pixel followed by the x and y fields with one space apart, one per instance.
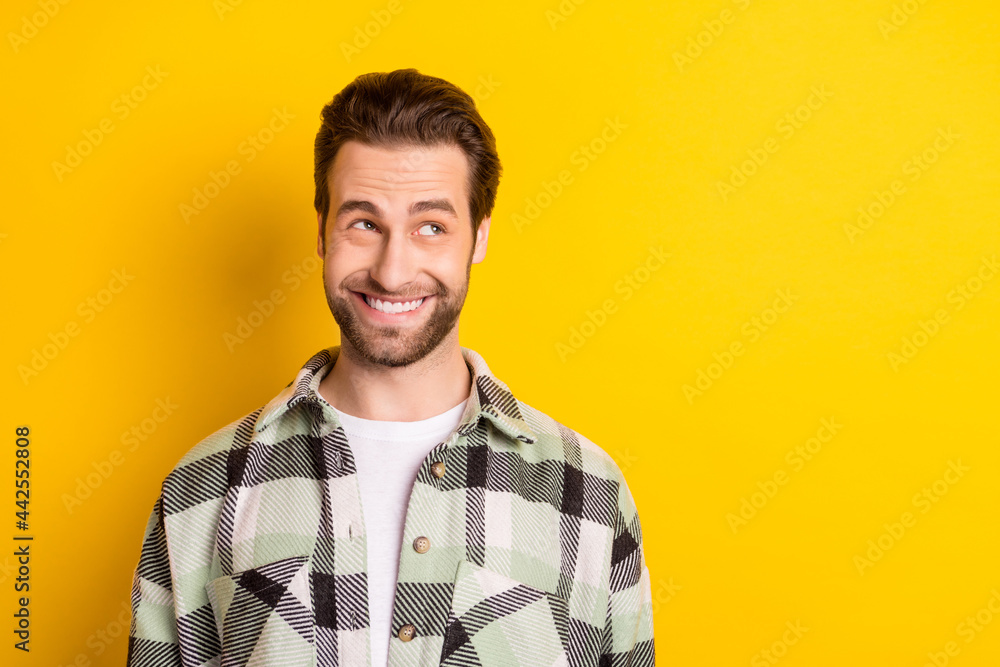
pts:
pixel 628 631
pixel 153 639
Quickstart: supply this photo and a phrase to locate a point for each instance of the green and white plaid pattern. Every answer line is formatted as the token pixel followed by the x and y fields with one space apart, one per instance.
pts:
pixel 255 550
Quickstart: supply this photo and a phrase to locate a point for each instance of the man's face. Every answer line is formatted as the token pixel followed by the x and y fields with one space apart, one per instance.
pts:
pixel 398 231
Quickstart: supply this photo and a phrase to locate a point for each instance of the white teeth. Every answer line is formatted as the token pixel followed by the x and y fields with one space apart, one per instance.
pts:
pixel 387 307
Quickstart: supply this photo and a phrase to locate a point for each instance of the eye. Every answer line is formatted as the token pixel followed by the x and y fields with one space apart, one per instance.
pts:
pixel 364 222
pixel 439 228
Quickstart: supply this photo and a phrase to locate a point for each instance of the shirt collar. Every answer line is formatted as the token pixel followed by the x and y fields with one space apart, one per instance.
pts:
pixel 490 398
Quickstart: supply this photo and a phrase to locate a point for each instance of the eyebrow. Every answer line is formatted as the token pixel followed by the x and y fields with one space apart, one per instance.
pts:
pixel 365 206
pixel 442 205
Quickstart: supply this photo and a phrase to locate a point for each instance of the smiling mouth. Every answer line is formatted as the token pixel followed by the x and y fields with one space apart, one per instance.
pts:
pixel 392 307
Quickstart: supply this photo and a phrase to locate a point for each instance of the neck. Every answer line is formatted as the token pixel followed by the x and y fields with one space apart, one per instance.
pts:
pixel 426 388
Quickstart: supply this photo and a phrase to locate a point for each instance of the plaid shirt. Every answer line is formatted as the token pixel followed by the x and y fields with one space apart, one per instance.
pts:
pixel 529 549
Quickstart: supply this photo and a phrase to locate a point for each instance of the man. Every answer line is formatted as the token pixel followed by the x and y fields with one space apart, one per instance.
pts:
pixel 395 504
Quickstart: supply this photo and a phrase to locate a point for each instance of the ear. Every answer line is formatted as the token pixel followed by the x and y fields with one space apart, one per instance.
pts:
pixel 482 238
pixel 320 241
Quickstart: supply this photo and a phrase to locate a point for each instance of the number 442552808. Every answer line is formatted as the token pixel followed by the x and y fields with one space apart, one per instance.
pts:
pixel 21 466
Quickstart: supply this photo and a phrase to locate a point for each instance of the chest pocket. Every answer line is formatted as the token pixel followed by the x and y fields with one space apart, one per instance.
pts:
pixel 264 614
pixel 495 620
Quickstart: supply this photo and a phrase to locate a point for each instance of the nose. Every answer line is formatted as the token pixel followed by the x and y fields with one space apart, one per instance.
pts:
pixel 395 264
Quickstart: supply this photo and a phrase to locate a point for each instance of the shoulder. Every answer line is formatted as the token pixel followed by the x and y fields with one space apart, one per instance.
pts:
pixel 231 435
pixel 601 481
pixel 556 440
pixel 201 473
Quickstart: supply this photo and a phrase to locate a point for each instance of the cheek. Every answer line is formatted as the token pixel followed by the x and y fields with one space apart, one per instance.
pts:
pixel 456 277
pixel 343 259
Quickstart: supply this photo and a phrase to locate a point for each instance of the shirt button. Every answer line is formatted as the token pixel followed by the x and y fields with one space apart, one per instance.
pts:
pixel 407 632
pixel 438 469
pixel 421 545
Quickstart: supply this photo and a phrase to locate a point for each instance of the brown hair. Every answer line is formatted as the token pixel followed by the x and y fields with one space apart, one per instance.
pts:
pixel 407 108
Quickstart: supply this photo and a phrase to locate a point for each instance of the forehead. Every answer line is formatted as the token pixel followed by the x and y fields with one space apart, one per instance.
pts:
pixel 399 173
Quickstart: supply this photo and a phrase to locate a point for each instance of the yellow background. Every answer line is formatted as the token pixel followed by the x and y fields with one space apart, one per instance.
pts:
pixel 550 78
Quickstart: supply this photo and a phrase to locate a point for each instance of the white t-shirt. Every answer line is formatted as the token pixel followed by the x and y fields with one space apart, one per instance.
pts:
pixel 388 455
